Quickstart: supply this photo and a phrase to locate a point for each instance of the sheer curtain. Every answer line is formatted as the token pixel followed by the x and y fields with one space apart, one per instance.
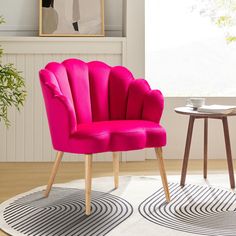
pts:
pixel 186 53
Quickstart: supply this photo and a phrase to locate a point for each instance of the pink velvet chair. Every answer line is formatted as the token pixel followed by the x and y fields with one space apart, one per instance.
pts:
pixel 93 108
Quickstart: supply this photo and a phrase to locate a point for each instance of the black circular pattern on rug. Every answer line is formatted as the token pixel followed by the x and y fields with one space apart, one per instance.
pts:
pixel 194 209
pixel 63 213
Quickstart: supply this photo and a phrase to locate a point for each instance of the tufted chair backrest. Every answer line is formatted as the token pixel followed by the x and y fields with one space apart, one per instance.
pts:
pixel 99 92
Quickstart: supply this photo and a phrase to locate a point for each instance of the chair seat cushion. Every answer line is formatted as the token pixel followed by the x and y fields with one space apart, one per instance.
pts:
pixel 117 135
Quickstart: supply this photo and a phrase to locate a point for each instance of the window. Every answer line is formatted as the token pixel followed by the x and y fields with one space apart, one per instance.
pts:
pixel 186 53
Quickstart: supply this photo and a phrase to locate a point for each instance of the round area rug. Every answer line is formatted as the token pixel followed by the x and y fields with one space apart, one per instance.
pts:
pixel 138 207
pixel 62 213
pixel 194 209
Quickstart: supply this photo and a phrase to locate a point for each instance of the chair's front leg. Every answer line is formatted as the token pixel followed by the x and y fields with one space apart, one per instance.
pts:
pixel 88 183
pixel 54 172
pixel 116 160
pixel 163 173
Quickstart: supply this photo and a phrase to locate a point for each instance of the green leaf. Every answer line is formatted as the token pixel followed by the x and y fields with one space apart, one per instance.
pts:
pixel 231 39
pixel 2 20
pixel 12 90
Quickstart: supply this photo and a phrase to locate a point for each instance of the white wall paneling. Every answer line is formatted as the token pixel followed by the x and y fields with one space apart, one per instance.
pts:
pixel 28 137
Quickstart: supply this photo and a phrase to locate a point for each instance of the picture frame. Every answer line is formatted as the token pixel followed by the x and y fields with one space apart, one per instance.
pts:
pixel 71 18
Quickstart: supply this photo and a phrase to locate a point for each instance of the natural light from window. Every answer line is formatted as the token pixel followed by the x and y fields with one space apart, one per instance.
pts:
pixel 186 53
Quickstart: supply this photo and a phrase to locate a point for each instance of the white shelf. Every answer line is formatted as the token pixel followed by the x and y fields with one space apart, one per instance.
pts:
pixel 60 39
pixel 63 45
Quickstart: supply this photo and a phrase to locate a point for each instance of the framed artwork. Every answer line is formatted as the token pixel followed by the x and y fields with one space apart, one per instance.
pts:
pixel 71 18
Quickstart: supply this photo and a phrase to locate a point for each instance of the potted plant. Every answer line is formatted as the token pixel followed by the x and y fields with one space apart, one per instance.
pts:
pixel 12 88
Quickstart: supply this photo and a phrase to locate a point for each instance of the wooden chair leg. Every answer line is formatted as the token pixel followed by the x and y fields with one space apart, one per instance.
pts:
pixel 54 172
pixel 88 183
pixel 163 173
pixel 116 168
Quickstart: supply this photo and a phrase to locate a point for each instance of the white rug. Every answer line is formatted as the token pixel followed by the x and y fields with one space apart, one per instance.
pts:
pixel 137 208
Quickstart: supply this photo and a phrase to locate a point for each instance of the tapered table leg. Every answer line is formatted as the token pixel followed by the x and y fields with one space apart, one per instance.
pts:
pixel 187 150
pixel 205 147
pixel 228 152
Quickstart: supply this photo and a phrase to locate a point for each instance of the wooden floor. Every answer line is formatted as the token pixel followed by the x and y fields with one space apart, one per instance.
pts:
pixel 16 178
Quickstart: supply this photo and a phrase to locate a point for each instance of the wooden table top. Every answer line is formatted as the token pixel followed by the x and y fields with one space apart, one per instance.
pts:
pixel 192 112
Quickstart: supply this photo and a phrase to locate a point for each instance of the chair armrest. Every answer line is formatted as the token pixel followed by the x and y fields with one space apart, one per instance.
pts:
pixel 60 112
pixel 65 110
pixel 153 106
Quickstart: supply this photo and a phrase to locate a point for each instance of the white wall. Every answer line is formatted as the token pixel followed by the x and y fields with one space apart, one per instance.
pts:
pixel 22 17
pixel 176 125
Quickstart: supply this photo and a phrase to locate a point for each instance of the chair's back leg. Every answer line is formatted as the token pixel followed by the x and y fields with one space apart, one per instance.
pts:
pixel 163 173
pixel 116 157
pixel 88 183
pixel 54 172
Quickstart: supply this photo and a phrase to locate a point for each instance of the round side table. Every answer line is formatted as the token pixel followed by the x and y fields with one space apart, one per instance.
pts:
pixel 193 114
